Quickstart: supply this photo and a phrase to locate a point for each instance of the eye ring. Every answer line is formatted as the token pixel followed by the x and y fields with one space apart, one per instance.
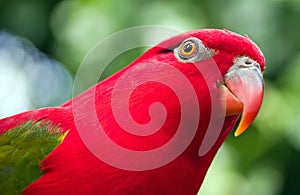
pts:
pixel 188 49
pixel 192 50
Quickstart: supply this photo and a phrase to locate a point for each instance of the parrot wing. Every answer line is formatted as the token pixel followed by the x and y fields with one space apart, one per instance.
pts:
pixel 25 140
pixel 21 151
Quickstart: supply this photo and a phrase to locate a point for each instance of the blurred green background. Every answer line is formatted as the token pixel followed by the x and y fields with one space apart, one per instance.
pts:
pixel 43 42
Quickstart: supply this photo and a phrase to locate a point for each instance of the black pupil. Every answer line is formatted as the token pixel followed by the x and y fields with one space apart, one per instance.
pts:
pixel 187 47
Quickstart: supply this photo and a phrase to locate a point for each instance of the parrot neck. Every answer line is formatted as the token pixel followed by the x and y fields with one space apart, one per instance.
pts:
pixel 133 111
pixel 186 171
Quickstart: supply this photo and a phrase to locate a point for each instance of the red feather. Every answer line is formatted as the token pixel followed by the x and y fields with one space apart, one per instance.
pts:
pixel 72 169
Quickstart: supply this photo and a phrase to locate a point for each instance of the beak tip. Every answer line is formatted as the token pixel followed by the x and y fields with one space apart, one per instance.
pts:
pixel 245 122
pixel 238 132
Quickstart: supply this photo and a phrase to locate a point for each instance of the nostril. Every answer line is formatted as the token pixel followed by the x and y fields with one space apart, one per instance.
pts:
pixel 245 62
pixel 248 62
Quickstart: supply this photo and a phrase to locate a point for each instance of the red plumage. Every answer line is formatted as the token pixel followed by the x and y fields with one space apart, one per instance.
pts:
pixel 72 169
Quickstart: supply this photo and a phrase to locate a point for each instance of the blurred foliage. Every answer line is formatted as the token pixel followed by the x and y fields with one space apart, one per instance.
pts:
pixel 263 161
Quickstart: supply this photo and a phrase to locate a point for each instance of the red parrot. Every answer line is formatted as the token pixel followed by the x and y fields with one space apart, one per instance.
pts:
pixel 178 84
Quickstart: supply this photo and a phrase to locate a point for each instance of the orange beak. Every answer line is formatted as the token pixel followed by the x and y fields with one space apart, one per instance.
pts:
pixel 244 91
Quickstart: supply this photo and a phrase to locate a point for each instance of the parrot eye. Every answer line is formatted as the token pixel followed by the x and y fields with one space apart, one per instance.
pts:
pixel 188 49
pixel 192 50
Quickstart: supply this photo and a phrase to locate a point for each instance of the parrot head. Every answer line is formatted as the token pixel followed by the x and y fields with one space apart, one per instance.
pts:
pixel 230 63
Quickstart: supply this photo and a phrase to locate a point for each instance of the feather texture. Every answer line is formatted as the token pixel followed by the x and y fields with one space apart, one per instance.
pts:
pixel 71 168
pixel 21 151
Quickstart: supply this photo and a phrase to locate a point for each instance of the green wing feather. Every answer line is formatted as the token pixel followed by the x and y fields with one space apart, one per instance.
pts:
pixel 21 151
